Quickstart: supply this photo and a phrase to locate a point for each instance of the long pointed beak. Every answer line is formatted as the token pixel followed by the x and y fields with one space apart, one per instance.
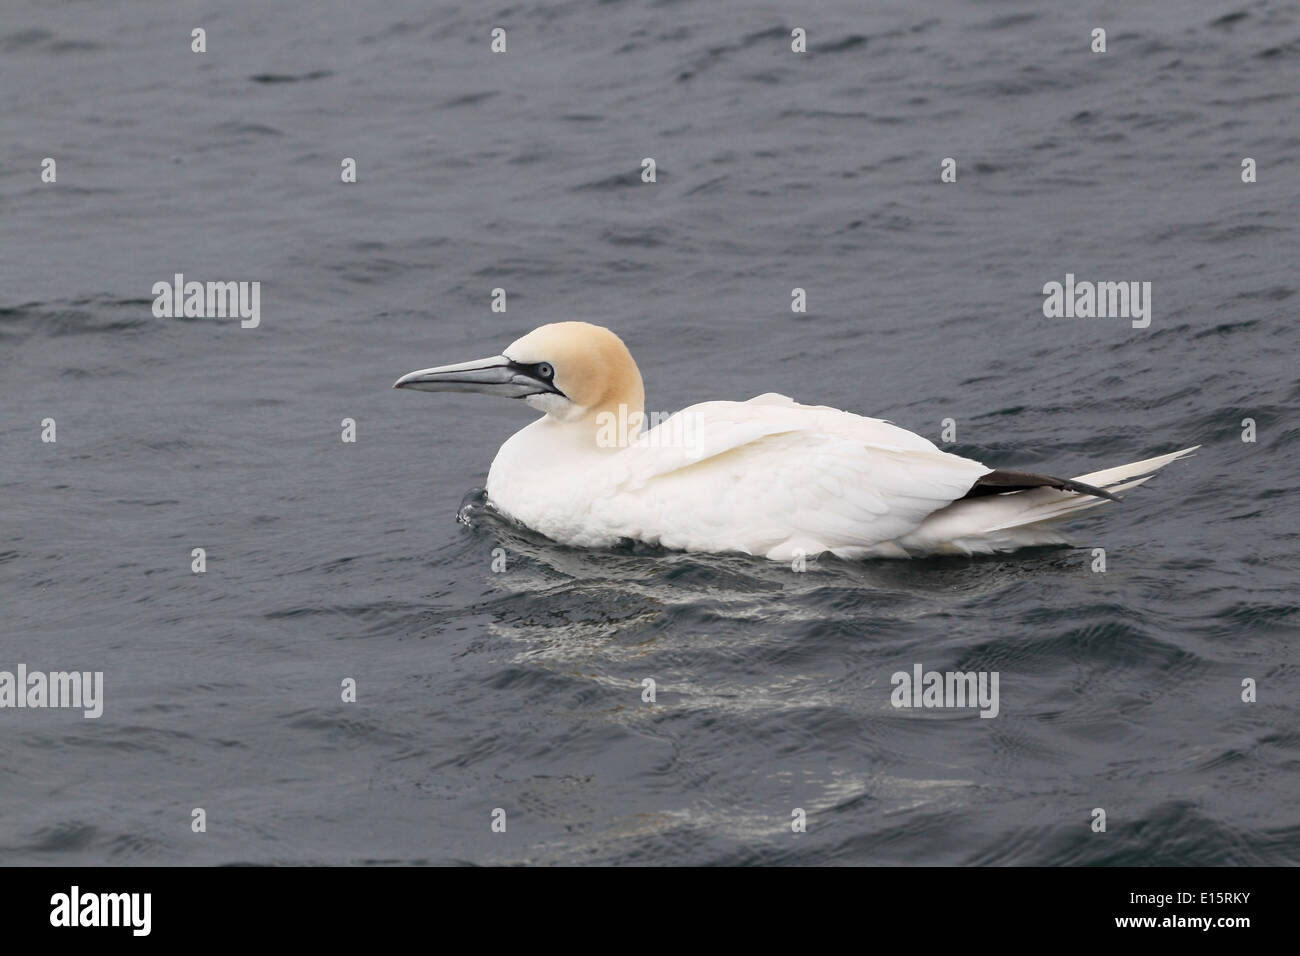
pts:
pixel 497 375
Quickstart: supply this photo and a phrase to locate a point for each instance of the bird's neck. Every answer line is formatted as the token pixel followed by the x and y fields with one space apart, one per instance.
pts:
pixel 608 428
pixel 617 425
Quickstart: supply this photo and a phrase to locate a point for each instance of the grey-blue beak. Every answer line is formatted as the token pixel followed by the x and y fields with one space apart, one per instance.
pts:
pixel 497 375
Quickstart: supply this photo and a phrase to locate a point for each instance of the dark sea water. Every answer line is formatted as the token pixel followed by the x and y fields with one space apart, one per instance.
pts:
pixel 521 690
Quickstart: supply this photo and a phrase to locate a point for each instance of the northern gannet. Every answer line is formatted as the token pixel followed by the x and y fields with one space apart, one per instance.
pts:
pixel 764 477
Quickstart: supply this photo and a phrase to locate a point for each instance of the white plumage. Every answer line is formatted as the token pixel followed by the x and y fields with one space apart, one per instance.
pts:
pixel 765 477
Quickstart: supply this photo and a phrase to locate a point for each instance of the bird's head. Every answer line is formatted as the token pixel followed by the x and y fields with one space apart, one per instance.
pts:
pixel 569 370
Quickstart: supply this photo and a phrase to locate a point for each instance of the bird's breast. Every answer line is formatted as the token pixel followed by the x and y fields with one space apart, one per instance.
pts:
pixel 550 483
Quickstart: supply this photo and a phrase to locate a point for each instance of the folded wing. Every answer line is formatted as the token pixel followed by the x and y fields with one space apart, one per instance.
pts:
pixel 778 478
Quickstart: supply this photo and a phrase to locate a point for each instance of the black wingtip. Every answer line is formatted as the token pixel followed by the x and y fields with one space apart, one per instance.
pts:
pixel 1002 482
pixel 1086 489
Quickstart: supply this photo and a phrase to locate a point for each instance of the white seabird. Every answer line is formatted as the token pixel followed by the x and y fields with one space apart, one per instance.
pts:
pixel 765 477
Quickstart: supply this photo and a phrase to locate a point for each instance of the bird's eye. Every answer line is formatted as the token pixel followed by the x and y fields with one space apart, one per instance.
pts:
pixel 544 370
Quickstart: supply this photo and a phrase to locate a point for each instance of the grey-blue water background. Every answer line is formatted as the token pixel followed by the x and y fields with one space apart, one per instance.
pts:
pixel 522 690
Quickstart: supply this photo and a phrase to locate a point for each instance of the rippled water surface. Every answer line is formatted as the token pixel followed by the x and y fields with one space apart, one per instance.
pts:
pixel 521 690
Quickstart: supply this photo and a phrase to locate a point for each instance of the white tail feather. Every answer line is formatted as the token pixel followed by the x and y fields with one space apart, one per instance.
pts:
pixel 1111 476
pixel 1023 518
